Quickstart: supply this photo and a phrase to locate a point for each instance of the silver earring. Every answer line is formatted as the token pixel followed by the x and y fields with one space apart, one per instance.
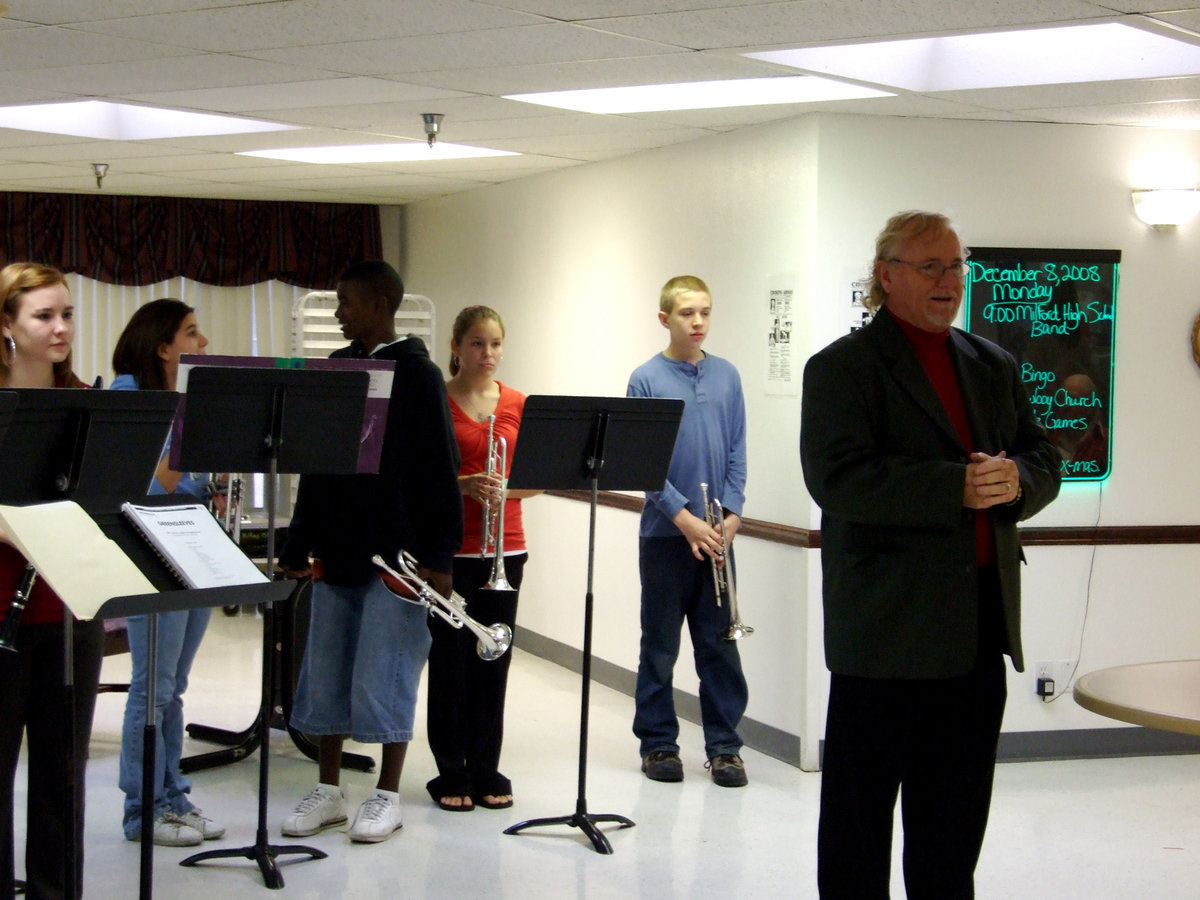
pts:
pixel 11 344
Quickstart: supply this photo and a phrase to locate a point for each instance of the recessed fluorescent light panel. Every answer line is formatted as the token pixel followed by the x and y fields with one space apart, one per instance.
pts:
pixel 1075 53
pixel 701 95
pixel 408 151
pixel 124 122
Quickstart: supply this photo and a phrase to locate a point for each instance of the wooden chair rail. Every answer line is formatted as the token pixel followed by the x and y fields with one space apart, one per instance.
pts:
pixel 794 536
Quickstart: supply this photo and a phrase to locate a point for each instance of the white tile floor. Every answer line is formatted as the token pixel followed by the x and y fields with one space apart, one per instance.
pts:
pixel 1067 830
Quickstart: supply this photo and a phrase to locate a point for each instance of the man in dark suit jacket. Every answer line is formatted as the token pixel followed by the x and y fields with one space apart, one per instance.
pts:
pixel 919 443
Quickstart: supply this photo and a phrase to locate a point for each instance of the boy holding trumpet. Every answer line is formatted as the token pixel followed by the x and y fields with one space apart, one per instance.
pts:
pixel 677 545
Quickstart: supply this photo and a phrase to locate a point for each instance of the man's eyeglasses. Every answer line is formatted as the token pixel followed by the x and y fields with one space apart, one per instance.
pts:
pixel 934 270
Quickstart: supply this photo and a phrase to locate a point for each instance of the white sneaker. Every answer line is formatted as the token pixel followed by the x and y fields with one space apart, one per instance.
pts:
pixel 322 807
pixel 171 831
pixel 208 828
pixel 380 816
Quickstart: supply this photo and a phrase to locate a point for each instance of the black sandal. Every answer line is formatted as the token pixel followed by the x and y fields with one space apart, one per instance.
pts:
pixel 497 786
pixel 441 787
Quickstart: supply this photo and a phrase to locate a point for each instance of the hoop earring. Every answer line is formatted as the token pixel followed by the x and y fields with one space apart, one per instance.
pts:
pixel 10 344
pixel 456 362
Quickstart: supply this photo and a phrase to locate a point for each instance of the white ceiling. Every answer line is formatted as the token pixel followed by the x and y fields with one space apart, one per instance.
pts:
pixel 359 71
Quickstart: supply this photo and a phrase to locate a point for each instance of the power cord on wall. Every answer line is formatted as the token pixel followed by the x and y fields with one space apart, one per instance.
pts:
pixel 1087 602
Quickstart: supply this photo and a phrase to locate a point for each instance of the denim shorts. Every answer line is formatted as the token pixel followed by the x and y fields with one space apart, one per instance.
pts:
pixel 362 666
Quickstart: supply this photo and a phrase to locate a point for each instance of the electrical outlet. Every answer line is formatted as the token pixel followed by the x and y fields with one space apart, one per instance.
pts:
pixel 1052 677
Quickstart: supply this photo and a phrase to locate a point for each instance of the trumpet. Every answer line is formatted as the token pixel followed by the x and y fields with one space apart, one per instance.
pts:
pixel 492 537
pixel 405 583
pixel 12 622
pixel 232 489
pixel 722 570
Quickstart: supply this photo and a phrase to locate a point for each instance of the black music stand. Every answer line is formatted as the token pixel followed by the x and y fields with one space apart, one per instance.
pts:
pixel 95 448
pixel 571 443
pixel 169 599
pixel 271 421
pixel 8 403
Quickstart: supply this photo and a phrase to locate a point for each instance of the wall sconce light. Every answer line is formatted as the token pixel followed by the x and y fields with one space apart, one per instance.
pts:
pixel 1166 209
pixel 99 170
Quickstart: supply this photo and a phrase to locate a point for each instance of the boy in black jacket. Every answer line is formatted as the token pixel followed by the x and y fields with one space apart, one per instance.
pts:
pixel 365 647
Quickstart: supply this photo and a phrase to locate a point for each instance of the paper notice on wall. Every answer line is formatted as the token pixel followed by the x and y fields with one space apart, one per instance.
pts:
pixel 859 314
pixel 782 375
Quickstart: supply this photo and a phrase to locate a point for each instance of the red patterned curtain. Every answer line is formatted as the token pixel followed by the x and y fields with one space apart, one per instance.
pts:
pixel 145 240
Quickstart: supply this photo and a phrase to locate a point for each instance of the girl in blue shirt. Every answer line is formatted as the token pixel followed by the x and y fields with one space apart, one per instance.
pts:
pixel 147 357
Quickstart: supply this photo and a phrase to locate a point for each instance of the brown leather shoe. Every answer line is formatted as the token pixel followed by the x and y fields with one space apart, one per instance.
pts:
pixel 728 770
pixel 662 765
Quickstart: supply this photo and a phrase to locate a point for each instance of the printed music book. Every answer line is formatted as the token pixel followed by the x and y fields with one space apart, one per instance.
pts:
pixel 81 564
pixel 194 545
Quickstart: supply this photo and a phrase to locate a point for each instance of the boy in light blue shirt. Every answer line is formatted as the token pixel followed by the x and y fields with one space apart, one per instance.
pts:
pixel 676 545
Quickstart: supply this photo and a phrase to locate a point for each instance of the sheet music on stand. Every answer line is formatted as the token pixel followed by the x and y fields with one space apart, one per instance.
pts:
pixel 194 545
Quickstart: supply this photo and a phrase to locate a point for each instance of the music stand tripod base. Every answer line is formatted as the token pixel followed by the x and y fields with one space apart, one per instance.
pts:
pixel 583 820
pixel 263 854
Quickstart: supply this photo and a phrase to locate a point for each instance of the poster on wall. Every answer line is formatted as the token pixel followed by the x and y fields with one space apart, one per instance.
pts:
pixel 859 314
pixel 781 359
pixel 1054 311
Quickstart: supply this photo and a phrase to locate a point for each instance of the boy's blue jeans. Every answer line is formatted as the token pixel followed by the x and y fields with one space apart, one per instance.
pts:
pixel 676 586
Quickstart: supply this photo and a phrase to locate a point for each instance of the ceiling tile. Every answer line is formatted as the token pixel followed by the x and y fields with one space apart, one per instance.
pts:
pixel 47 47
pixel 666 68
pixel 812 21
pixel 126 77
pixel 477 49
pixel 306 23
pixel 282 97
pixel 62 12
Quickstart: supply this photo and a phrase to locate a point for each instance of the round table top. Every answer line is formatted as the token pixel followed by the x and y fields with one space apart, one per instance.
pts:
pixel 1164 695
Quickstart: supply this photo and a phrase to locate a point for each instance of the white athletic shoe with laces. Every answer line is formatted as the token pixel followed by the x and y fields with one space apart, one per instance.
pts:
pixel 171 831
pixel 380 816
pixel 209 828
pixel 322 807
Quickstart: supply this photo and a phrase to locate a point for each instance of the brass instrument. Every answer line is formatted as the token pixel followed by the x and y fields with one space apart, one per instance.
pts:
pixel 492 538
pixel 8 629
pixel 231 487
pixel 722 569
pixel 233 505
pixel 405 583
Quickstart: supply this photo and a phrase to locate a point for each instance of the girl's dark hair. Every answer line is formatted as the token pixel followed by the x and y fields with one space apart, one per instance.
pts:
pixel 149 328
pixel 463 323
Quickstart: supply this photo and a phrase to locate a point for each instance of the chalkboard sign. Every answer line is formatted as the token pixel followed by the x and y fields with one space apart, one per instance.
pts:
pixel 1054 310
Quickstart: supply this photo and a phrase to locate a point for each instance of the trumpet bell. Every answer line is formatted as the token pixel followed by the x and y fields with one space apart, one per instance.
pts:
pixel 499 583
pixel 736 631
pixel 501 636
